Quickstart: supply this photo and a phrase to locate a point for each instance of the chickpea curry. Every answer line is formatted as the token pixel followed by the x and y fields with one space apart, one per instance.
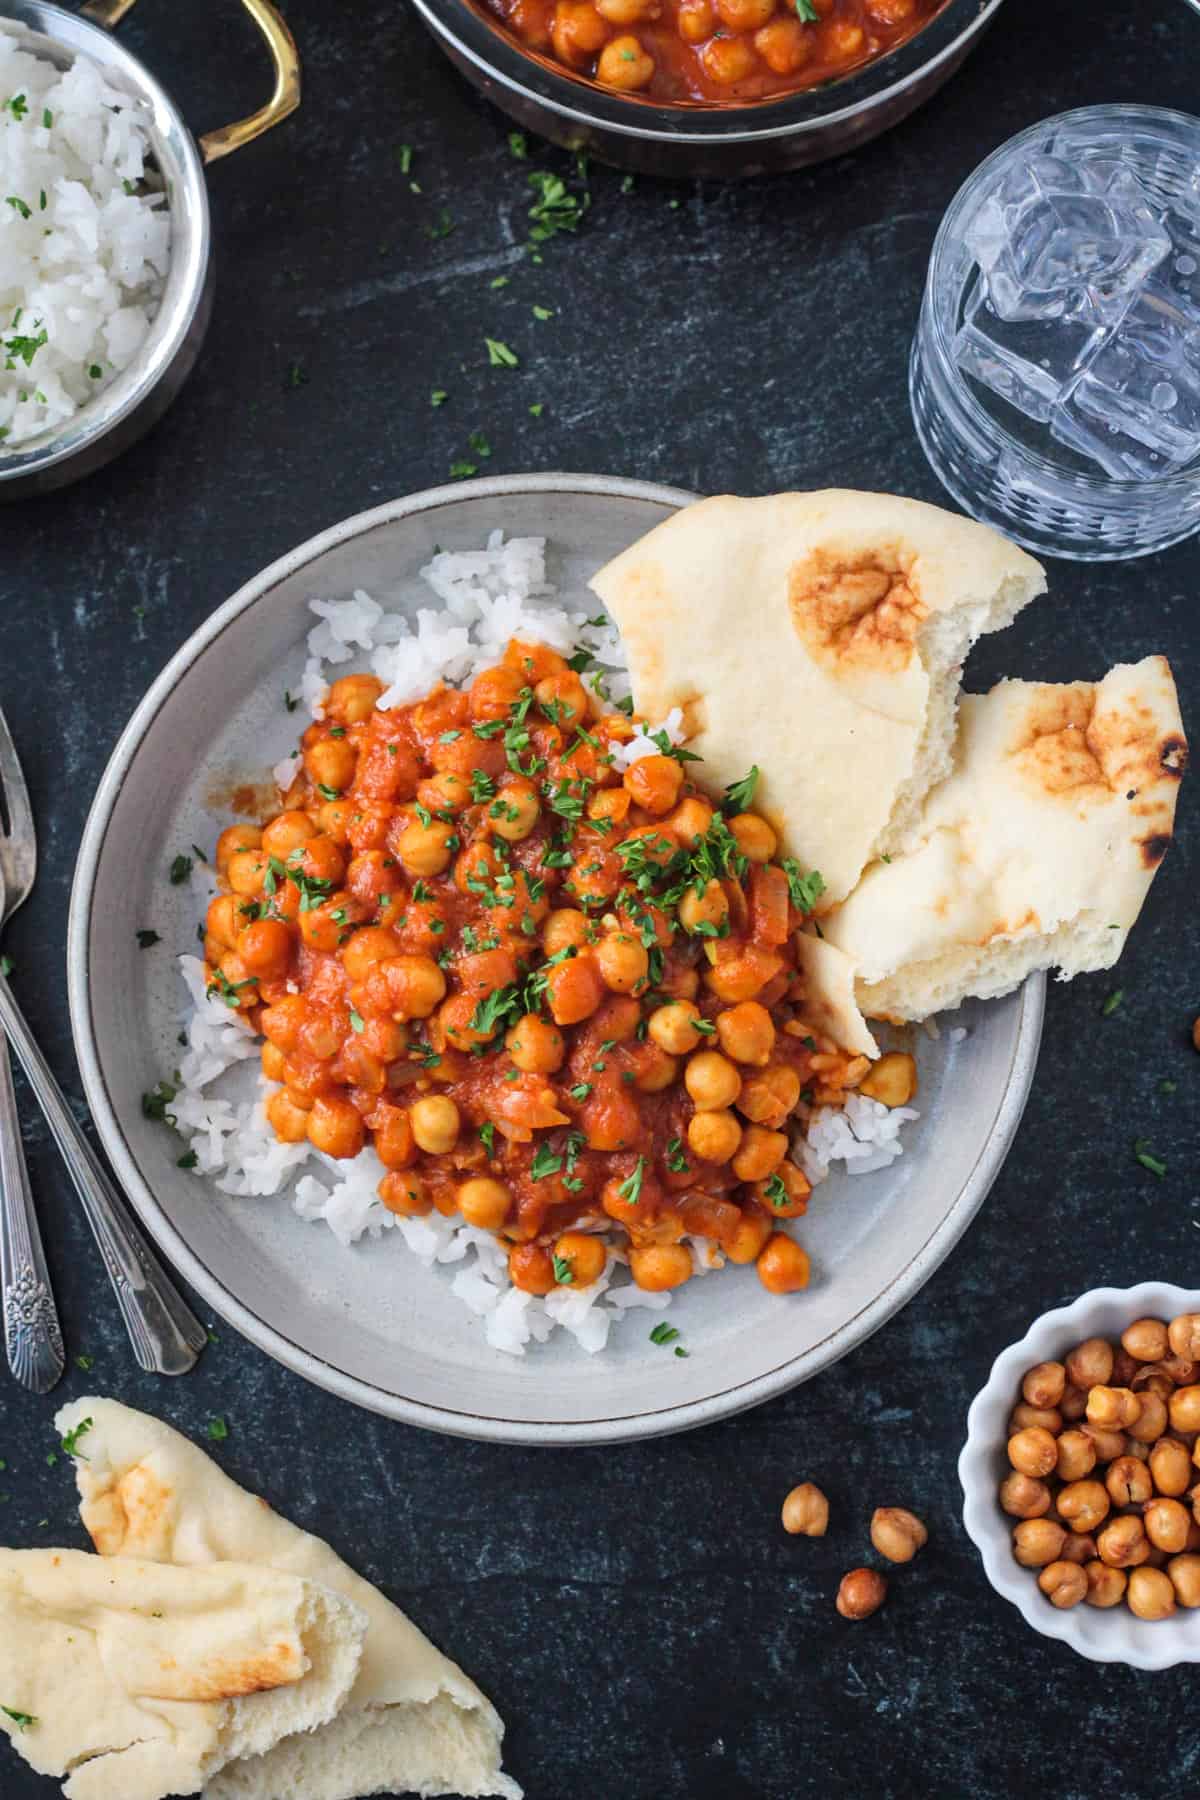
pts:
pixel 556 993
pixel 713 51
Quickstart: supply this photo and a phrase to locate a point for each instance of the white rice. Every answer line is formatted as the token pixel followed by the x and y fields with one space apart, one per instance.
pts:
pixel 487 597
pixel 84 243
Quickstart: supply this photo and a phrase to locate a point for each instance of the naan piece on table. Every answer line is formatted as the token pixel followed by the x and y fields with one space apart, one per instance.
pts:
pixel 821 637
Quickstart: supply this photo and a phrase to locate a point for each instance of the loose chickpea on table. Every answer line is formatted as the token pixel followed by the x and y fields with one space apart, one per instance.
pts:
pixel 1107 1499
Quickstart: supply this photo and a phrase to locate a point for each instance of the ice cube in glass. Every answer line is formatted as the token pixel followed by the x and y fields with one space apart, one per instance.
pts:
pixel 1028 362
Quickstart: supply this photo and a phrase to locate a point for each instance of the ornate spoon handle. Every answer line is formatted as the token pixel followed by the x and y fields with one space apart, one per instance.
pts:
pixel 32 1335
pixel 165 1334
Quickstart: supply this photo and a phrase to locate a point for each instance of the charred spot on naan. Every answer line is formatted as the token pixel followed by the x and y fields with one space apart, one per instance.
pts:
pixel 1173 755
pixel 1068 744
pixel 134 1515
pixel 1154 848
pixel 857 615
pixel 229 1677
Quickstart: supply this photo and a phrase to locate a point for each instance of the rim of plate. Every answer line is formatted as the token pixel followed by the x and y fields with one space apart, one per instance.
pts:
pixel 651 1421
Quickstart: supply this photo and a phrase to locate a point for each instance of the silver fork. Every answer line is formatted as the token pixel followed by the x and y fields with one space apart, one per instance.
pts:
pixel 32 1334
pixel 165 1333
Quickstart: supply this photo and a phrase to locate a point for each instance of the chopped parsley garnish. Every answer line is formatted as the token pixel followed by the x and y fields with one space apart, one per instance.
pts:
pixel 23 348
pixel 556 207
pixel 357 1022
pixel 47 118
pixel 663 1333
pixel 705 1027
pixel 491 1012
pixel 297 376
pixel 18 106
pixel 1168 1087
pixel 537 409
pixel 499 354
pixel 543 312
pixel 21 1720
pixel 517 145
pixel 85 1363
pixel 487 1136
pixel 776 1190
pixel 479 444
pixel 462 471
pixel 740 794
pixel 1142 1154
pixel 328 793
pixel 147 939
pixel 438 397
pixel 404 156
pixel 805 890
pixel 26 212
pixel 545 1162
pixel 188 1160
pixel 218 1430
pixel 807 13
pixel 580 1091
pixel 155 1104
pixel 70 1442
pixel 181 868
pixel 443 228
pixel 222 988
pixel 499 281
pixel 289 700
pixel 563 1272
pixel 630 1189
pixel 677 1160
pixel 1112 1003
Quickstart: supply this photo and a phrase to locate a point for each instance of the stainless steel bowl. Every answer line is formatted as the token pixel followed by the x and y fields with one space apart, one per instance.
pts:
pixel 697 139
pixel 140 395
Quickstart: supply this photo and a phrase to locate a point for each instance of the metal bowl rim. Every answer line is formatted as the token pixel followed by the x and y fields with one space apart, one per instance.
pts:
pixel 656 1422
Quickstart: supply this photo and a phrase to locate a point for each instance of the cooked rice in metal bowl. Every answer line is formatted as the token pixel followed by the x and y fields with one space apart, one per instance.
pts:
pixel 485 598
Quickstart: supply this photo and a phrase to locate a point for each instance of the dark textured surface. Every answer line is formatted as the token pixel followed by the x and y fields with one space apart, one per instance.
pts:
pixel 639 1617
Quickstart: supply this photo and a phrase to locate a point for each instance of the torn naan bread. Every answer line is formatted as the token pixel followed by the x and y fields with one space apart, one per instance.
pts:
pixel 821 637
pixel 139 1680
pixel 413 1722
pixel 1037 852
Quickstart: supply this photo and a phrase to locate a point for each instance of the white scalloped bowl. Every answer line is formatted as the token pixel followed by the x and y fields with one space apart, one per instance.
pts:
pixel 1103 1635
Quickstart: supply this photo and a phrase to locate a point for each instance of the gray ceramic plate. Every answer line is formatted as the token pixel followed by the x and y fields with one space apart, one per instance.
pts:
pixel 370 1323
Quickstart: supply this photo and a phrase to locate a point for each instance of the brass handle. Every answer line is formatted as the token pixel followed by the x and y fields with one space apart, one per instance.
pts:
pixel 282 48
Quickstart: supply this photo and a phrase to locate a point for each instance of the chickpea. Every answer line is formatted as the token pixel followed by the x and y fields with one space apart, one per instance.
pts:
pixel 445 791
pixel 1183 1335
pixel 1079 1548
pixel 1090 1364
pixel 844 40
pixel 531 1268
pixel 784 45
pixel 335 1127
pixel 1063 1583
pixel 331 763
pixel 1076 1456
pixel 897 1533
pixel 352 698
pixel 411 987
pixel 696 20
pixel 288 1120
pixel 281 1023
pixel 746 1033
pixel 1073 1405
pixel 653 781
pixel 783 1267
pixel 235 838
pixel 395 1145
pixel 483 1201
pixel 759 1154
pixel 1083 1504
pixel 672 1027
pixel 1122 1544
pixel 273 1061
pixel 1146 1340
pixel 1113 1407
pixel 1106 1586
pixel 1151 1422
pixel 1021 1497
pixel 660 1267
pixel 1023 1415
pixel 265 947
pixel 693 817
pixel 435 1123
pixel 1128 1481
pixel 1150 1594
pixel 566 928
pixel 769 1095
pixel 287 832
pixel 892 1080
pixel 745 15
pixel 1033 1451
pixel 1166 1523
pixel 750 1234
pixel 494 692
pixel 862 1592
pixel 1184 1409
pixel 755 838
pixel 623 961
pixel 1044 1384
pixel 627 12
pixel 246 871
pixel 712 1081
pixel 585 1256
pixel 714 1136
pixel 1037 1542
pixel 223 922
pixel 577 33
pixel 425 849
pixel 515 811
pixel 1170 1467
pixel 1109 1444
pixel 1184 1573
pixel 535 1045
pixel 704 913
pixel 1179 1369
pixel 373 944
pixel 404 1193
pixel 806 1511
pixel 1124 1368
pixel 574 990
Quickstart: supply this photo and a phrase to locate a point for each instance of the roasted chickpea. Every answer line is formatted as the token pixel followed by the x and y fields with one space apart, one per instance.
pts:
pixel 1047 1417
pixel 1032 1451
pixel 653 781
pixel 769 1095
pixel 623 961
pixel 1076 1456
pixel 861 1593
pixel 760 1153
pixel 1022 1497
pixel 673 1027
pixel 1073 1405
pixel 746 1033
pixel 1150 1594
pixel 1037 1542
pixel 1166 1523
pixel 705 912
pixel 1128 1481
pixel 897 1533
pixel 1122 1544
pixel 806 1511
pixel 235 838
pixel 714 1136
pixel 1109 1444
pixel 1170 1467
pixel 1146 1340
pixel 1151 1422
pixel 514 812
pixel 1083 1504
pixel 712 1081
pixel 1044 1384
pixel 783 1267
pixel 435 1123
pixel 425 849
pixel 531 1268
pixel 352 698
pixel 1113 1408
pixel 659 1267
pixel 287 1119
pixel 1184 1409
pixel 755 838
pixel 1124 1368
pixel 404 1192
pixel 1090 1364
pixel 1183 1335
pixel 1106 1586
pixel 1063 1583
pixel 750 1234
pixel 892 1080
pixel 1181 1369
pixel 335 1127
pixel 584 1255
pixel 1079 1547
pixel 565 929
pixel 483 1201
pixel 1184 1573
